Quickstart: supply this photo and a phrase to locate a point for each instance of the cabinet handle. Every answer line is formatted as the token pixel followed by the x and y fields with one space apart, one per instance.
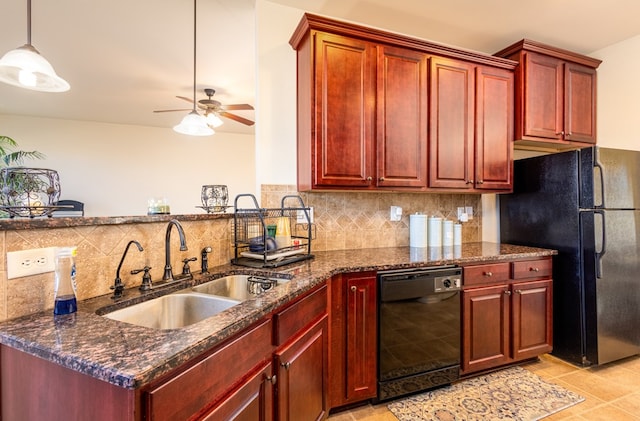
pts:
pixel 369 178
pixel 381 179
pixel 488 274
pixel 518 291
pixel 560 133
pixel 507 292
pixel 286 365
pixel 469 181
pixel 271 379
pixel 353 288
pixel 533 269
pixel 480 181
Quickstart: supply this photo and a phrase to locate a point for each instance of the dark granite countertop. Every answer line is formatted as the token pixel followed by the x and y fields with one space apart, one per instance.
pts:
pixel 131 356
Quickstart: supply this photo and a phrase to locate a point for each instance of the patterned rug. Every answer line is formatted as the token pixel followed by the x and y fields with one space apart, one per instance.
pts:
pixel 510 394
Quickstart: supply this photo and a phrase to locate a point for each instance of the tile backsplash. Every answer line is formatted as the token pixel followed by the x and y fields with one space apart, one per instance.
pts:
pixel 342 221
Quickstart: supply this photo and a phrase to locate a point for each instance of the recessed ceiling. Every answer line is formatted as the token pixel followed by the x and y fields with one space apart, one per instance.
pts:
pixel 126 58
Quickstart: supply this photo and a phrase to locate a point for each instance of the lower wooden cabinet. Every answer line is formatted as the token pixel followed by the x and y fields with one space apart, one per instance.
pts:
pixel 505 321
pixel 353 342
pixel 251 401
pixel 301 368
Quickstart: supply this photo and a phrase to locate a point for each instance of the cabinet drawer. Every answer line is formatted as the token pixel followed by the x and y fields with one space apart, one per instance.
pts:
pixel 531 269
pixel 291 320
pixel 191 391
pixel 486 274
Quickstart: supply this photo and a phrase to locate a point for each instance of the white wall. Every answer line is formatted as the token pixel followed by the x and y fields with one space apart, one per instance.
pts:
pixel 114 169
pixel 619 95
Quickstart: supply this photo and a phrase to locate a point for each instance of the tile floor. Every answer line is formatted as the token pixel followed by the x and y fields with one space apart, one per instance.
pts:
pixel 611 392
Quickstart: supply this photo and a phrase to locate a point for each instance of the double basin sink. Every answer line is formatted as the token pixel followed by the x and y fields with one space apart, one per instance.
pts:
pixel 191 305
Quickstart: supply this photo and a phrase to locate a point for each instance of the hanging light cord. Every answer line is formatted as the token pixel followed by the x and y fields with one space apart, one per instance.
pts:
pixel 194 53
pixel 29 22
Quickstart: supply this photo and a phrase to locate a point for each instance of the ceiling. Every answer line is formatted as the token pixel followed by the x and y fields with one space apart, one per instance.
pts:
pixel 126 58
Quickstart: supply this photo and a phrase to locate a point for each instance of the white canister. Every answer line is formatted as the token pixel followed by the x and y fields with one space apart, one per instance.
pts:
pixel 457 234
pixel 447 233
pixel 435 232
pixel 418 230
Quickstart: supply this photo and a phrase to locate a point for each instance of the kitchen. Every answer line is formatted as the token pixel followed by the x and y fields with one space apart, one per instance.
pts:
pixel 266 160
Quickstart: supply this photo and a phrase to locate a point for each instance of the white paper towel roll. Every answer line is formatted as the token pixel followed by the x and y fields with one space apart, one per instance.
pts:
pixel 435 232
pixel 417 230
pixel 447 233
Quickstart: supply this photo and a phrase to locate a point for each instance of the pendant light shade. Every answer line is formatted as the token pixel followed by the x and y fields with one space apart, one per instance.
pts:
pixel 26 68
pixel 194 124
pixel 213 120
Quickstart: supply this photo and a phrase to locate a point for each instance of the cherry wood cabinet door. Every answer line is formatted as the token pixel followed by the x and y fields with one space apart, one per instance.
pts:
pixel 580 103
pixel 401 117
pixel 532 315
pixel 252 401
pixel 451 124
pixel 361 298
pixel 543 90
pixel 301 370
pixel 494 129
pixel 486 328
pixel 344 111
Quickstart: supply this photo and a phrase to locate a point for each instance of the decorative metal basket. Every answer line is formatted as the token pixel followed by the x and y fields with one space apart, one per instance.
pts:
pixel 29 192
pixel 215 198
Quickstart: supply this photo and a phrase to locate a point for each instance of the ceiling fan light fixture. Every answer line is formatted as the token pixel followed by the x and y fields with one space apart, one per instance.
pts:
pixel 213 120
pixel 26 68
pixel 193 124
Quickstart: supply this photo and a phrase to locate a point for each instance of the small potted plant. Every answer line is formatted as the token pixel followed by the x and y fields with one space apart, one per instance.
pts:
pixel 25 191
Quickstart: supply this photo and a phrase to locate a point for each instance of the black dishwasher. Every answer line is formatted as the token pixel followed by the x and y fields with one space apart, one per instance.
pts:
pixel 418 329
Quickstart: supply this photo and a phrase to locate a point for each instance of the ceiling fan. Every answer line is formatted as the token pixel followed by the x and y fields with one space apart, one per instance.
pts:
pixel 213 109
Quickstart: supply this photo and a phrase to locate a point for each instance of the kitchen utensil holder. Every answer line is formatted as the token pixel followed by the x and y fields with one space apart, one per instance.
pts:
pixel 250 228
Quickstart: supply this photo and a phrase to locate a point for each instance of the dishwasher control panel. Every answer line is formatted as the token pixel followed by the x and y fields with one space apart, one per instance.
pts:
pixel 447 283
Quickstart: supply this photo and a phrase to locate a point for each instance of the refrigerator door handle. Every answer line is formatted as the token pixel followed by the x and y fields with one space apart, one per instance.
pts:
pixel 603 249
pixel 600 172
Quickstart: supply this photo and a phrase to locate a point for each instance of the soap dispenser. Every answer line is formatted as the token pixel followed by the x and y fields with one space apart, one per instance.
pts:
pixel 65 276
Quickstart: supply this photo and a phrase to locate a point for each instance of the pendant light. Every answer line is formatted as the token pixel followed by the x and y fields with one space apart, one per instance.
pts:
pixel 194 124
pixel 26 68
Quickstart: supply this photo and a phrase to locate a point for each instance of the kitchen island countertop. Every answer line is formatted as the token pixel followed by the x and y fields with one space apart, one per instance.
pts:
pixel 131 356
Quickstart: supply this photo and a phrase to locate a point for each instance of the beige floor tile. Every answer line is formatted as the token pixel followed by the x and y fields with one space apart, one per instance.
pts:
pixel 602 388
pixel 629 403
pixel 608 412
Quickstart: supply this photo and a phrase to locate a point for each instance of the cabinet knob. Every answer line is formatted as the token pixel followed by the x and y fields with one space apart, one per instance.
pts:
pixel 488 274
pixel 353 288
pixel 469 181
pixel 560 133
pixel 518 291
pixel 507 292
pixel 286 365
pixel 480 181
pixel 381 179
pixel 533 269
pixel 369 178
pixel 271 379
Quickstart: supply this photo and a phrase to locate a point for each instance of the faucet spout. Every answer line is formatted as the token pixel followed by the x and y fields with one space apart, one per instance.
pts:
pixel 118 286
pixel 168 272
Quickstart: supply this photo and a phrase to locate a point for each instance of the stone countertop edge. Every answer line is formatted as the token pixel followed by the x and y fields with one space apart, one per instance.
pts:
pixel 131 356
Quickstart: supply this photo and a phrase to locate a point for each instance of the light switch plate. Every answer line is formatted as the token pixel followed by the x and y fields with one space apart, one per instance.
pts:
pixel 395 213
pixel 302 218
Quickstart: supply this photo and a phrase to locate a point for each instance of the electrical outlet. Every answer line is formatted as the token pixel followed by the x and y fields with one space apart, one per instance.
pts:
pixel 302 219
pixel 30 262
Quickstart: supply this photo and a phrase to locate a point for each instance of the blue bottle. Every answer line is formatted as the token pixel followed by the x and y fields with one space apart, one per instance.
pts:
pixel 65 287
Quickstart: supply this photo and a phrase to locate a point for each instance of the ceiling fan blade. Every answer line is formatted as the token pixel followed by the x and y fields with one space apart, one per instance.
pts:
pixel 237 118
pixel 189 100
pixel 169 111
pixel 237 107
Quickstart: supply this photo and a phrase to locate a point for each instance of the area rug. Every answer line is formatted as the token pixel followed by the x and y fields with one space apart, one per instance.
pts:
pixel 510 394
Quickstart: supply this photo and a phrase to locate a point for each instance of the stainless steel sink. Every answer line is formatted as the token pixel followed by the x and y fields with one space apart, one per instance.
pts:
pixel 173 311
pixel 239 287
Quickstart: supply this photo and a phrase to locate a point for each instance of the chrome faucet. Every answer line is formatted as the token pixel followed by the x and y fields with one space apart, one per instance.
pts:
pixel 118 286
pixel 168 273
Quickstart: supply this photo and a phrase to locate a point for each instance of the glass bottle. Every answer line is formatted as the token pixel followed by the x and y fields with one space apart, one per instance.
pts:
pixel 65 286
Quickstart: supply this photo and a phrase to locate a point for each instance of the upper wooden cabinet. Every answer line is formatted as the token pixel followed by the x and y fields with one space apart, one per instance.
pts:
pixel 555 96
pixel 381 111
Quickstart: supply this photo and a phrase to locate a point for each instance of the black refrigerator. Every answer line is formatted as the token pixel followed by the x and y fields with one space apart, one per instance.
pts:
pixel 585 204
